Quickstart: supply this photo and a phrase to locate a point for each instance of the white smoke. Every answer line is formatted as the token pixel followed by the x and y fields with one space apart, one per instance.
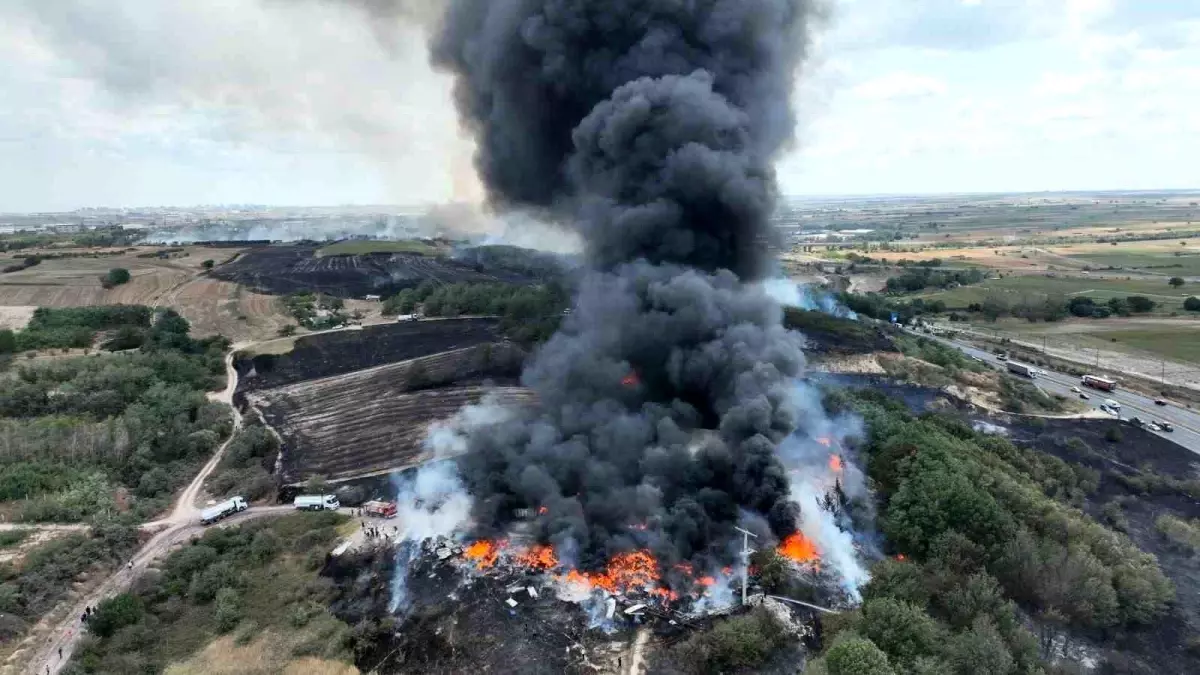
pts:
pixel 432 501
pixel 802 296
pixel 809 460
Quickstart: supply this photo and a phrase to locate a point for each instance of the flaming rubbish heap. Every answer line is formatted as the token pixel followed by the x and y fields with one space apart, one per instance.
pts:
pixel 652 127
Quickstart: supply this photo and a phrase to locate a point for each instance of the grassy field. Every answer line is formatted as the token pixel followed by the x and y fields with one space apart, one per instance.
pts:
pixel 1016 287
pixel 1166 262
pixel 1174 339
pixel 365 246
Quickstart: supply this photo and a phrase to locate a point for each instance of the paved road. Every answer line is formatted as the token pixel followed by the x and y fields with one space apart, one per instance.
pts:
pixel 1185 421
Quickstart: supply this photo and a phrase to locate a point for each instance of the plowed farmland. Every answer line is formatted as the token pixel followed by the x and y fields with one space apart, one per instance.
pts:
pixel 376 419
pixel 292 268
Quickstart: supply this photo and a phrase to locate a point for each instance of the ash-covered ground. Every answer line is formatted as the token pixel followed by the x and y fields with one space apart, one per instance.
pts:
pixel 339 352
pixel 283 269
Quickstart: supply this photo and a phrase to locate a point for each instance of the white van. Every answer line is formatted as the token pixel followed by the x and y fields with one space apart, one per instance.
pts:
pixel 1112 404
pixel 317 503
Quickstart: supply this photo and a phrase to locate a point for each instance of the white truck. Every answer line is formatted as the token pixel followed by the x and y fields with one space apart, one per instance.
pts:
pixel 317 503
pixel 226 508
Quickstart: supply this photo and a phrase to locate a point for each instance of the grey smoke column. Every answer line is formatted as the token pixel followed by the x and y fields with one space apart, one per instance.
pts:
pixel 653 126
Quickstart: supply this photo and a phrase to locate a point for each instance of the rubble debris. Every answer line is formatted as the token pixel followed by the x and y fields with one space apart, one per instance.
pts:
pixel 636 610
pixel 510 602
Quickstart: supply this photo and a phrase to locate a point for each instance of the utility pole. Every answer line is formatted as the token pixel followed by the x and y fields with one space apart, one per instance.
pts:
pixel 746 551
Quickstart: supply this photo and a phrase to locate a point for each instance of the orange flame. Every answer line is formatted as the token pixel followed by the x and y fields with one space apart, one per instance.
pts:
pixel 538 557
pixel 630 380
pixel 900 557
pixel 825 441
pixel 835 463
pixel 727 571
pixel 798 548
pixel 706 581
pixel 484 552
pixel 542 510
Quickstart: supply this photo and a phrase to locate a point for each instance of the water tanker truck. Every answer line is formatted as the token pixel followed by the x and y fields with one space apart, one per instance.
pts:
pixel 317 503
pixel 226 508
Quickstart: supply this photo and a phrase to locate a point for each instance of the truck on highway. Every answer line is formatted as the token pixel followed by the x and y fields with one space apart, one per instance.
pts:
pixel 379 509
pixel 1022 369
pixel 1098 382
pixel 317 503
pixel 226 508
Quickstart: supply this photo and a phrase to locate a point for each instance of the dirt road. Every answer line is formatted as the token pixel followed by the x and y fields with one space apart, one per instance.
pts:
pixel 182 523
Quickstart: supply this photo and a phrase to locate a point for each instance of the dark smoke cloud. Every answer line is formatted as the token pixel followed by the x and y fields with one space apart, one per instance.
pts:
pixel 653 125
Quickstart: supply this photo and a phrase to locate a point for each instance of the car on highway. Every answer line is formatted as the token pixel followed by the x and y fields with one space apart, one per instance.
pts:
pixel 1084 396
pixel 1166 426
pixel 1112 404
pixel 1154 426
pixel 1001 357
pixel 1159 401
pixel 1075 390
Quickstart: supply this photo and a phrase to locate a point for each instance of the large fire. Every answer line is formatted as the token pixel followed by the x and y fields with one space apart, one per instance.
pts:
pixel 484 552
pixel 798 548
pixel 633 571
pixel 835 463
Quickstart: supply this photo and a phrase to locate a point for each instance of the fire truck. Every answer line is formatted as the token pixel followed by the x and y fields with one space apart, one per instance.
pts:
pixel 1098 382
pixel 380 509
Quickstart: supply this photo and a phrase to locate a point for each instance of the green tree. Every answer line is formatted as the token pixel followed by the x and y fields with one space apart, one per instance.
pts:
pixel 207 264
pixel 1140 304
pixel 116 612
pixel 117 276
pixel 901 630
pixel 1192 304
pixel 857 656
pixel 8 342
pixel 1176 282
pixel 980 651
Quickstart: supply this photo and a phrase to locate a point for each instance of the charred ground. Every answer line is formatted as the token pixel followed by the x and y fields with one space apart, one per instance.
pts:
pixel 291 268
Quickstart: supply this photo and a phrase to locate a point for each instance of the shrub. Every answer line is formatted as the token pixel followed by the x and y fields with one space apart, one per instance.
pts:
pixel 738 643
pixel 115 277
pixel 228 609
pixel 857 656
pixel 1113 435
pixel 114 613
pixel 1183 534
pixel 1192 304
pixel 901 630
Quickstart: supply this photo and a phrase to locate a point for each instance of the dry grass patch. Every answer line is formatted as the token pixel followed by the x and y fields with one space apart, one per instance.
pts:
pixel 269 654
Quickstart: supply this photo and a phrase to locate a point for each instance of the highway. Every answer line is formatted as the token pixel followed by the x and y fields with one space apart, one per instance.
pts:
pixel 1185 421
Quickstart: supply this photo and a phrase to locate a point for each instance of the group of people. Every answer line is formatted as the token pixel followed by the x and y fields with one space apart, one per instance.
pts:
pixel 376 532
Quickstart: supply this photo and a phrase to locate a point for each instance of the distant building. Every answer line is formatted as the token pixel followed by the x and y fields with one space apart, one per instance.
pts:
pixel 373 297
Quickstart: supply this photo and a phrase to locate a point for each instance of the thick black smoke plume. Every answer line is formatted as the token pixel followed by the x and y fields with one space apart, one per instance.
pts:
pixel 654 124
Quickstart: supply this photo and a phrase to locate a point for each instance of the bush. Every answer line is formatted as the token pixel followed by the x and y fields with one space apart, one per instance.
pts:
pixel 228 609
pixel 115 277
pixel 1192 304
pixel 901 630
pixel 114 613
pixel 737 643
pixel 857 656
pixel 1113 435
pixel 1183 534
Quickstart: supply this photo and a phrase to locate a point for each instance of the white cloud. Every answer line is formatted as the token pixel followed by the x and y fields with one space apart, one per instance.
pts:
pixel 899 86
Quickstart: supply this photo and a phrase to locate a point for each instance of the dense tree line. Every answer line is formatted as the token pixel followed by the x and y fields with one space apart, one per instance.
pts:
pixel 922 277
pixel 979 527
pixel 1035 308
pixel 74 430
pixel 529 313
pixel 247 466
pixel 72 327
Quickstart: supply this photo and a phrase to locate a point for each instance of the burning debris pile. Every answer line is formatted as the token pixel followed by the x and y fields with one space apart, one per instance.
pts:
pixel 671 408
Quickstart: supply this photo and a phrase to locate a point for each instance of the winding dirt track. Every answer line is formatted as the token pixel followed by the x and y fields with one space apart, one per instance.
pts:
pixel 182 523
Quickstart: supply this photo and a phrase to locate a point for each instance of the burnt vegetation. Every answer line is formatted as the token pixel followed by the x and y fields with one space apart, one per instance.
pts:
pixel 296 268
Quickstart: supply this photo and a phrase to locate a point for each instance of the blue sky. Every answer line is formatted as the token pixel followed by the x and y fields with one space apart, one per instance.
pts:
pixel 140 102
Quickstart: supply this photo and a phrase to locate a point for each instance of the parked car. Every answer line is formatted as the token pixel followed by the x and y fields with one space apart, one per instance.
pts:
pixel 1084 396
pixel 1159 401
pixel 1166 426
